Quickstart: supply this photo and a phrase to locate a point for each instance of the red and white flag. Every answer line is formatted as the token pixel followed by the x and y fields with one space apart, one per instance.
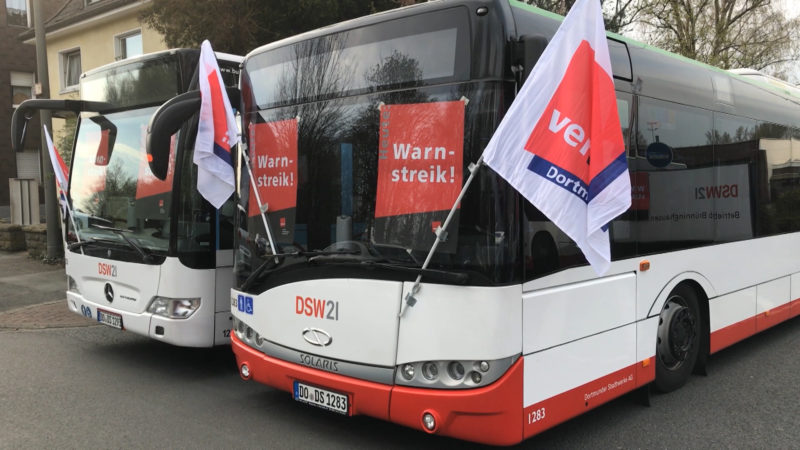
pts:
pixel 60 170
pixel 59 167
pixel 216 133
pixel 560 143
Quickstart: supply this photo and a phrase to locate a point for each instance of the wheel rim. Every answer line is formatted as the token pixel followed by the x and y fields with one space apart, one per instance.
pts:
pixel 676 333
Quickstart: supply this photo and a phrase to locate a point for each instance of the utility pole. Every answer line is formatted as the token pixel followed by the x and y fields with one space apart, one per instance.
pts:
pixel 54 247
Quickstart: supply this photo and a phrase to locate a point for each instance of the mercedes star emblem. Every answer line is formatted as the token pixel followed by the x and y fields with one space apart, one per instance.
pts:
pixel 109 291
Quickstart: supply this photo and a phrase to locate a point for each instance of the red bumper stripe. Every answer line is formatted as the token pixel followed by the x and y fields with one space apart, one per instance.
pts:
pixel 488 415
pixel 367 398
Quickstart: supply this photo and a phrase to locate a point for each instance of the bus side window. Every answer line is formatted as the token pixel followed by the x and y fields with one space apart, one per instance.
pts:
pixel 620 233
pixel 672 168
pixel 547 249
pixel 739 188
pixel 777 191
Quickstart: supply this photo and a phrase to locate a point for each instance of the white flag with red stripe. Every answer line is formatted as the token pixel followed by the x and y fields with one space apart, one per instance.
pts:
pixel 216 133
pixel 60 170
pixel 59 167
pixel 560 143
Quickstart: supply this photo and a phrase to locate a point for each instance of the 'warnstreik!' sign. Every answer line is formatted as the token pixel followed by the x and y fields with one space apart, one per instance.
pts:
pixel 420 172
pixel 273 147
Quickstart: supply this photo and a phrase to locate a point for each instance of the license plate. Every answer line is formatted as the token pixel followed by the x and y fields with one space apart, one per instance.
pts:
pixel 321 398
pixel 109 318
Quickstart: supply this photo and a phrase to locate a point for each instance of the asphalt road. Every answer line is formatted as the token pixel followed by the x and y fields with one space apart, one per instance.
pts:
pixel 95 387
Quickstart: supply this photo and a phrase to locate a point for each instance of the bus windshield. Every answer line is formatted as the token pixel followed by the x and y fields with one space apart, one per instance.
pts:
pixel 139 83
pixel 112 187
pixel 358 169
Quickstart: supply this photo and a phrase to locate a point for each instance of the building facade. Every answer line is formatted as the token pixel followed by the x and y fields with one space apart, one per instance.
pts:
pixel 17 83
pixel 80 35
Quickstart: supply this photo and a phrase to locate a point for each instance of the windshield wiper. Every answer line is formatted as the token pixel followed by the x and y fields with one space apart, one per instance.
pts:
pixel 275 260
pixel 443 275
pixel 93 240
pixel 146 255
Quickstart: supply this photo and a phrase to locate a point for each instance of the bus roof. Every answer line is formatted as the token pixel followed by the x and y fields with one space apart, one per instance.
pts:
pixel 160 54
pixel 359 22
pixel 675 77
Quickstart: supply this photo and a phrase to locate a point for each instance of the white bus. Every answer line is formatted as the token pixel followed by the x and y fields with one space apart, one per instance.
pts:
pixel 150 255
pixel 361 135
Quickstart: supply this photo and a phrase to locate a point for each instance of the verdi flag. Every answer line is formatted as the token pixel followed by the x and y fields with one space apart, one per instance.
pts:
pixel 60 170
pixel 59 167
pixel 560 143
pixel 216 133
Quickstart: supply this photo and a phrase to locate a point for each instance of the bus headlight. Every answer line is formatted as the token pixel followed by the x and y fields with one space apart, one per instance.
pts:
pixel 173 308
pixel 72 285
pixel 457 374
pixel 246 334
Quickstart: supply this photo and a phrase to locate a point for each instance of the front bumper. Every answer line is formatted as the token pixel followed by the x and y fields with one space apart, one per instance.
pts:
pixel 490 415
pixel 192 332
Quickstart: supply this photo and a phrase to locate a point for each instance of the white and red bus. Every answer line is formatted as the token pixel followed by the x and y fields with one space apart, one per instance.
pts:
pixel 150 255
pixel 361 135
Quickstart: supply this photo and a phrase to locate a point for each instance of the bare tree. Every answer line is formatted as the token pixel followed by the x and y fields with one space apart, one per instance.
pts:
pixel 724 33
pixel 238 26
pixel 618 15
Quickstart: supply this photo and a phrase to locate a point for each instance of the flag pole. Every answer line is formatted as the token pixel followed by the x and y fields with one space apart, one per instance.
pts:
pixel 262 208
pixel 441 236
pixel 72 219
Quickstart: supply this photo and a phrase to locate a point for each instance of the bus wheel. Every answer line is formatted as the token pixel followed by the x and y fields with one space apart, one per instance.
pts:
pixel 678 342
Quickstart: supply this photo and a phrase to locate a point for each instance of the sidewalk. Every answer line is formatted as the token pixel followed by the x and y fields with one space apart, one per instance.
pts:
pixel 32 294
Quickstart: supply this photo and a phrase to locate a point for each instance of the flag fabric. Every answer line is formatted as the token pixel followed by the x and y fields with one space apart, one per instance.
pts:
pixel 216 133
pixel 560 143
pixel 59 167
pixel 60 170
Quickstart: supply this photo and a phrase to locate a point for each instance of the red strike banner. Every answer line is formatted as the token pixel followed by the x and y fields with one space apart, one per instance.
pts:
pixel 273 157
pixel 90 167
pixel 103 150
pixel 420 157
pixel 147 184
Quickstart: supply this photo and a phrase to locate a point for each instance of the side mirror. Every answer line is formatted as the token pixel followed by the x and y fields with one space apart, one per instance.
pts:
pixel 167 120
pixel 26 110
pixel 19 125
pixel 108 136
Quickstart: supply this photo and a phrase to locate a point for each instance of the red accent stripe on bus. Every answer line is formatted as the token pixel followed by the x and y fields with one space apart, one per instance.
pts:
pixel 773 316
pixel 562 407
pixel 727 336
pixel 646 371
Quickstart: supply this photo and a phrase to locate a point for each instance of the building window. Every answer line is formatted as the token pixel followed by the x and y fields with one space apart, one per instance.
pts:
pixel 128 45
pixel 17 13
pixel 21 87
pixel 70 61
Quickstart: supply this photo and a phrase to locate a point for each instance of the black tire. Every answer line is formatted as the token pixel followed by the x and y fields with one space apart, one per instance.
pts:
pixel 678 339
